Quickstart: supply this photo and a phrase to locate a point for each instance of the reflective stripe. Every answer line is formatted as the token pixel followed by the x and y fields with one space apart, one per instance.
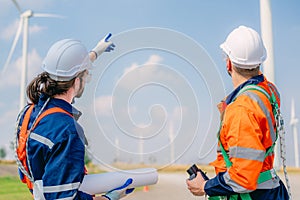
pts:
pixel 38 193
pixel 269 184
pixel 261 104
pixel 42 140
pixel 253 87
pixel 247 153
pixel 235 186
pixel 61 188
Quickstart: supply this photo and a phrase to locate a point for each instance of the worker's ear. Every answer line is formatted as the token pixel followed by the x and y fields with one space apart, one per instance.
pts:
pixel 228 66
pixel 77 83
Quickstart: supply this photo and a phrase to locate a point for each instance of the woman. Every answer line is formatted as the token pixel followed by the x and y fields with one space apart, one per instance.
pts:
pixel 50 143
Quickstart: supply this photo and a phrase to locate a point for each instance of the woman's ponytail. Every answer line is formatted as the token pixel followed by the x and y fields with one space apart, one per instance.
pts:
pixel 43 84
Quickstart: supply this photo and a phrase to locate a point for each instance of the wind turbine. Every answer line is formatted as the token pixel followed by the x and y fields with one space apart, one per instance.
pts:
pixel 293 123
pixel 23 26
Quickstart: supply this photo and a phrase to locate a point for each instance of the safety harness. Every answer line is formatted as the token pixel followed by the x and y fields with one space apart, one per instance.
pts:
pixel 22 139
pixel 269 174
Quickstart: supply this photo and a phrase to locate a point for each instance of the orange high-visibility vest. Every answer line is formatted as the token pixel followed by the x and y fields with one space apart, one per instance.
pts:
pixel 245 128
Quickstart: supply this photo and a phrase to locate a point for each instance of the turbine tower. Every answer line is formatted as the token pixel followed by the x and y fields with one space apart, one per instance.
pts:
pixel 117 145
pixel 293 123
pixel 268 65
pixel 141 149
pixel 23 26
pixel 171 138
pixel 267 37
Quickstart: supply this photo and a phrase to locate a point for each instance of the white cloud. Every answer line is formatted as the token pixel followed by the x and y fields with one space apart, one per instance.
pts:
pixel 132 67
pixel 153 61
pixel 150 71
pixel 12 75
pixel 34 64
pixel 33 29
pixel 103 105
pixel 10 31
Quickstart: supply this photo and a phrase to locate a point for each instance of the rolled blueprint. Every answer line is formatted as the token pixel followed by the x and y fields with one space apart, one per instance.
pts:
pixel 104 182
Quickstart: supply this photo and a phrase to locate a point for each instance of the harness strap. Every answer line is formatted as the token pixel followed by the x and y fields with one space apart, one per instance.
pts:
pixel 228 163
pixel 23 138
pixel 266 175
pixel 48 112
pixel 244 196
pixel 21 150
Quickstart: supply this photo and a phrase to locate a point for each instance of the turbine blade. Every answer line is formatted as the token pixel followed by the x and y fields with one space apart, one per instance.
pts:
pixel 17 6
pixel 48 15
pixel 13 45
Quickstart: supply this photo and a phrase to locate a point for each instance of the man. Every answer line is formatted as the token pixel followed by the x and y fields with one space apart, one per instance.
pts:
pixel 244 164
pixel 50 144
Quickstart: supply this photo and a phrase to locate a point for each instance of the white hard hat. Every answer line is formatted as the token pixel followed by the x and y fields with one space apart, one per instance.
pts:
pixel 65 59
pixel 245 48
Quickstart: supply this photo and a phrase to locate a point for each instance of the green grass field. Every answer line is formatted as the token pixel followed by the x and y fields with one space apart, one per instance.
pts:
pixel 11 188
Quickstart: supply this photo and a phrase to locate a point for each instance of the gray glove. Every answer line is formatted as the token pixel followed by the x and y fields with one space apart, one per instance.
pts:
pixel 104 45
pixel 120 192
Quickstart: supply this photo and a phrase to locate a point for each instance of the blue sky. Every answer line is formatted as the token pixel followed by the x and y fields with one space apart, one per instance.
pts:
pixel 150 88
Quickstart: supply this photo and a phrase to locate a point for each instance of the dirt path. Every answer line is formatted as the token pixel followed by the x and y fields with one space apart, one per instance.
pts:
pixel 8 170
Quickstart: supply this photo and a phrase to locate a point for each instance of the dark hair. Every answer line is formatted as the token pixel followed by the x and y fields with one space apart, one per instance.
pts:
pixel 43 84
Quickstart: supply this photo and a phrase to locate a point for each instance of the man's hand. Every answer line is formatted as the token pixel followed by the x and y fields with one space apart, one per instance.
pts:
pixel 196 185
pixel 104 45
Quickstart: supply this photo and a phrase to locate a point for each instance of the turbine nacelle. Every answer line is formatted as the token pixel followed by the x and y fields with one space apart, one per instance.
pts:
pixel 27 14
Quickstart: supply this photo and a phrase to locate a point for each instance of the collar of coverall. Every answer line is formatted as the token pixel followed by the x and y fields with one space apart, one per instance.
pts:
pixel 252 81
pixel 60 103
